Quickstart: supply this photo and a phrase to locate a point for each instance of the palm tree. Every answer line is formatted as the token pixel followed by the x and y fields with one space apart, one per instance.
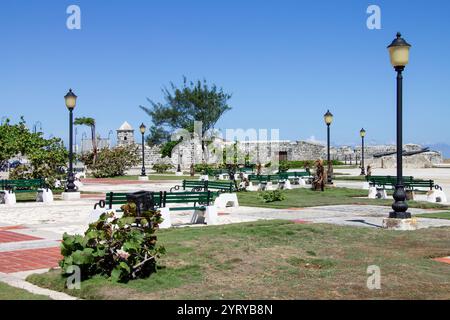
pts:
pixel 89 122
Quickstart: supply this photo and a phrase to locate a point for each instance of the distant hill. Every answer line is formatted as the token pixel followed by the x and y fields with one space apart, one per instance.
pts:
pixel 442 147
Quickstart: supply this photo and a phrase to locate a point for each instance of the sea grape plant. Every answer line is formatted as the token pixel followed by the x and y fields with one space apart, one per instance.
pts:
pixel 121 249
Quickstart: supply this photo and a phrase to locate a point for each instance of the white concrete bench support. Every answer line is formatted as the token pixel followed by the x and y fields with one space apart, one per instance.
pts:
pixel 436 196
pixel 225 200
pixel 7 197
pixel 167 222
pixel 208 216
pixel 285 185
pixel 44 195
pixel 375 193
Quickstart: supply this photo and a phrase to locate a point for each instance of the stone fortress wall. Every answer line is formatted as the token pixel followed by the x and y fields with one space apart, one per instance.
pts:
pixel 188 152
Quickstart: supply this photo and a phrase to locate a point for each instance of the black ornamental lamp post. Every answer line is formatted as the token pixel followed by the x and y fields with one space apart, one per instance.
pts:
pixel 399 56
pixel 142 128
pixel 362 134
pixel 328 117
pixel 71 101
pixel 179 159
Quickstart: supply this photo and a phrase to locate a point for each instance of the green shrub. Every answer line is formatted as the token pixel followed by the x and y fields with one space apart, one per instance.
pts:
pixel 205 168
pixel 161 167
pixel 118 248
pixel 271 196
pixel 111 162
pixel 46 157
pixel 303 164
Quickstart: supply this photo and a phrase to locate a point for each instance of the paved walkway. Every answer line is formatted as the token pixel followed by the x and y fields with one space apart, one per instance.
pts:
pixel 21 250
pixel 444 259
pixel 30 233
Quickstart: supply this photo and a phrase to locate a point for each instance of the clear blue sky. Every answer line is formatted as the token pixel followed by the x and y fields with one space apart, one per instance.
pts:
pixel 285 62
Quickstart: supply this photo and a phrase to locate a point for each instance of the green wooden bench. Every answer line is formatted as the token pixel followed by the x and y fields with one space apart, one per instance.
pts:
pixel 196 185
pixel 409 182
pixel 385 181
pixel 419 185
pixel 294 175
pixel 260 178
pixel 279 176
pixel 120 198
pixel 247 170
pixel 199 200
pixel 263 180
pixel 23 186
pixel 215 172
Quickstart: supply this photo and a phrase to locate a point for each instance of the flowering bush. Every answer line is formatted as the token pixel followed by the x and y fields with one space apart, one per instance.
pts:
pixel 120 248
pixel 111 162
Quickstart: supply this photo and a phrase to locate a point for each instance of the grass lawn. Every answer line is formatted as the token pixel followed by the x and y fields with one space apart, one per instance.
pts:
pixel 303 197
pixel 438 215
pixel 10 293
pixel 349 178
pixel 284 260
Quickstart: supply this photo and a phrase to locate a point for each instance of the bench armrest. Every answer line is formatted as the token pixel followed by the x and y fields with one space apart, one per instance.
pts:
pixel 100 204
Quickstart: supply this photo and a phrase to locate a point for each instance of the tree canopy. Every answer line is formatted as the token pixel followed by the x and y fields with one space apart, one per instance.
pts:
pixel 193 101
pixel 89 122
pixel 45 156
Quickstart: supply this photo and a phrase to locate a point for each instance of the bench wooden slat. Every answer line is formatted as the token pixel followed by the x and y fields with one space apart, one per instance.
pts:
pixel 23 185
pixel 163 198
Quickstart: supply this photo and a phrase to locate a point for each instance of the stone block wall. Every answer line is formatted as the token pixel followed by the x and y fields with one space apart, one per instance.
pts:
pixel 266 151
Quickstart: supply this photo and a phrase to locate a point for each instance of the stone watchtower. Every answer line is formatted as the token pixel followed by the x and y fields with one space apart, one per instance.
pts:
pixel 125 135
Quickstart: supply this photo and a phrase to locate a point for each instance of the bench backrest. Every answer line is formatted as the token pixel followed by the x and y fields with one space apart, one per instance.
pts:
pixel 120 198
pixel 294 174
pixel 193 184
pixel 383 180
pixel 405 178
pixel 22 184
pixel 162 198
pixel 253 177
pixel 220 185
pixel 207 185
pixel 203 197
pixel 418 183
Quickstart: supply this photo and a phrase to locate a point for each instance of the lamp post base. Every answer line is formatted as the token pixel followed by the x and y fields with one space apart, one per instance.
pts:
pixel 70 196
pixel 400 224
pixel 399 215
pixel 143 178
pixel 400 206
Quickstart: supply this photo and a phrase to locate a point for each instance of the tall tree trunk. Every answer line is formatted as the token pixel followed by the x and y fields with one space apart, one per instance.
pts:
pixel 94 143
